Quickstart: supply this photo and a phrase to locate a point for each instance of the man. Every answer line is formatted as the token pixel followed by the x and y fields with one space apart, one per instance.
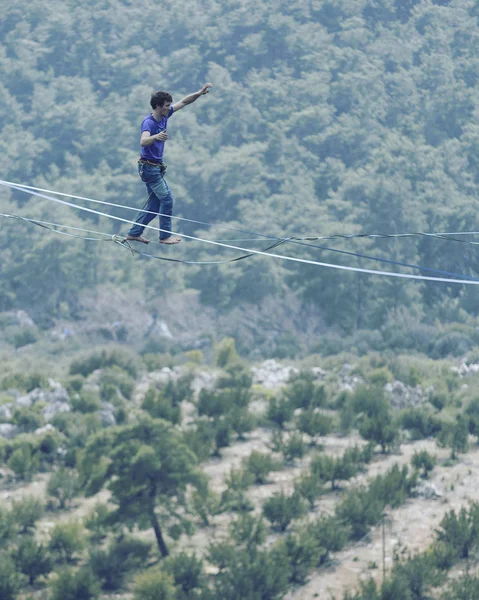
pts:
pixel 152 169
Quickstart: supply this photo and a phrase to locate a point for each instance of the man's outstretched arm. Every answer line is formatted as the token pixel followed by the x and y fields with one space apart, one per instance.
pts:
pixel 192 97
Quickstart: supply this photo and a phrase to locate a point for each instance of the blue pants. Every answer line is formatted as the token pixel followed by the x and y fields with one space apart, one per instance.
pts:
pixel 159 200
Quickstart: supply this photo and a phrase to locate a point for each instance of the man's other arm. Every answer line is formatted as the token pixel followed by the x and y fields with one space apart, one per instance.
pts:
pixel 192 97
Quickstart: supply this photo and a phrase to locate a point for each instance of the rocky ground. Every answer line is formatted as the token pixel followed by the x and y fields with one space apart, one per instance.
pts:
pixel 409 527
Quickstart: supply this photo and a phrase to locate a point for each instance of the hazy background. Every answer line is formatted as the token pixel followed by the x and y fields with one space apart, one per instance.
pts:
pixel 342 116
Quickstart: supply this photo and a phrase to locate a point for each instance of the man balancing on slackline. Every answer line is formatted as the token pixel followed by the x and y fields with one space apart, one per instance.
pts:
pixel 152 169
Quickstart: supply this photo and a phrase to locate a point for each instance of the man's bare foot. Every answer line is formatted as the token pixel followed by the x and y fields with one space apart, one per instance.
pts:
pixel 170 240
pixel 137 238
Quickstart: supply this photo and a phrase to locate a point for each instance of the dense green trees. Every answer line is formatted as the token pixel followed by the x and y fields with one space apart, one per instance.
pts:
pixel 335 118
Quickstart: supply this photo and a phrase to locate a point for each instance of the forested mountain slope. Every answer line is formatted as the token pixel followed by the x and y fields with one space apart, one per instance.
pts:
pixel 341 116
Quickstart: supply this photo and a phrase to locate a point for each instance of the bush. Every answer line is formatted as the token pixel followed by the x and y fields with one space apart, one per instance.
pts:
pixel 420 423
pixel 456 536
pixel 111 565
pixel 308 487
pixel 97 522
pixel 23 463
pixel 86 401
pixel 205 503
pixel 116 378
pixel 212 403
pixel 63 485
pixel 279 411
pixel 314 423
pixel 25 382
pixel 200 438
pixel 71 584
pixel 101 360
pixel 423 460
pixel 9 578
pixel 259 465
pixel 331 534
pixel 294 447
pixel 160 406
pixel 242 421
pixel 27 419
pixel 281 509
pixel 25 336
pixel 32 559
pixel 381 376
pixel 226 352
pixel 154 584
pixel 304 553
pixel 466 588
pixel 66 540
pixel 187 571
pixel 155 361
pixel 7 529
pixel 303 393
pixel 26 512
pixel 453 343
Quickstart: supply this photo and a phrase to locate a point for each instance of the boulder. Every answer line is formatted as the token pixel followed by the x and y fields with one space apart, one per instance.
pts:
pixel 6 411
pixel 9 431
pixel 52 409
pixel 428 490
pixel 404 396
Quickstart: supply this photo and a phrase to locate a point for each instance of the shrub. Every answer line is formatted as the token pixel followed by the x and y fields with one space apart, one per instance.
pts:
pixel 381 376
pixel 7 529
pixel 32 559
pixel 331 534
pixel 66 540
pixel 25 336
pixel 186 570
pixel 23 463
pixel 27 419
pixel 24 382
pixel 71 584
pixel 242 421
pixel 423 460
pixel 294 447
pixel 212 403
pixel 97 522
pixel 205 503
pixel 259 465
pixel 116 378
pixel 201 438
pixel 279 411
pixel 111 565
pixel 222 435
pixel 63 486
pixel 226 352
pixel 304 553
pixel 9 578
pixel 466 588
pixel 101 360
pixel 154 584
pixel 281 509
pixel 420 423
pixel 456 536
pixel 301 391
pixel 86 401
pixel 26 512
pixel 314 423
pixel 160 406
pixel 308 487
pixel 452 343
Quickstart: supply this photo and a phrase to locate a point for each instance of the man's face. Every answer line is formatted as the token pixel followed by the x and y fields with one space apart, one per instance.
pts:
pixel 165 109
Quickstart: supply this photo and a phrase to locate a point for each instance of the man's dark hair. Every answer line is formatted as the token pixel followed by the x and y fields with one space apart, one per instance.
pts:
pixel 159 99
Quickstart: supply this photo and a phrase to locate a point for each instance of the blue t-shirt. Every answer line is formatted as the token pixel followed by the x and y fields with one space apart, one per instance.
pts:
pixel 155 150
